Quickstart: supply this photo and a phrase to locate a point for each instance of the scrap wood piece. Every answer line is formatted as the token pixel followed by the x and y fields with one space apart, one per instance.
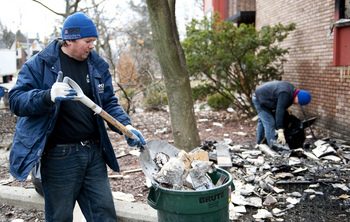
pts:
pixel 306 181
pixel 185 158
pixel 199 154
pixel 132 171
pixel 195 155
pixel 115 176
pixel 223 156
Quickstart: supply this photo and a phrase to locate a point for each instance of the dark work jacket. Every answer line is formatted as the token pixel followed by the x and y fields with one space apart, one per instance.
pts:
pixel 275 97
pixel 37 117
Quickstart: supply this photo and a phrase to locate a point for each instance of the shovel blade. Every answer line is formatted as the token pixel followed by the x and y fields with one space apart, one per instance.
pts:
pixel 149 167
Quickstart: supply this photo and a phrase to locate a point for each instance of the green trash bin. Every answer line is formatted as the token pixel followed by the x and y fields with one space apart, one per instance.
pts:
pixel 192 206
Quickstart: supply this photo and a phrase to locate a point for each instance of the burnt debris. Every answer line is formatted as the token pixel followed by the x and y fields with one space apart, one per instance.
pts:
pixel 277 182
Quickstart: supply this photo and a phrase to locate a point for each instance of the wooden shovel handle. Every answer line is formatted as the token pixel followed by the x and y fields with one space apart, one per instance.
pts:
pixel 116 123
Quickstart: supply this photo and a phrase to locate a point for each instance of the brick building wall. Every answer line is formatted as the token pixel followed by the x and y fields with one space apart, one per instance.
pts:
pixel 310 58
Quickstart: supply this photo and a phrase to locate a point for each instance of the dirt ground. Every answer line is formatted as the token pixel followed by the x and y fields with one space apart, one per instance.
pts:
pixel 212 125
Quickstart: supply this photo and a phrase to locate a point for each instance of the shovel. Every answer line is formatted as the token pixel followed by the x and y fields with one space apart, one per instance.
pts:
pixel 97 109
pixel 148 151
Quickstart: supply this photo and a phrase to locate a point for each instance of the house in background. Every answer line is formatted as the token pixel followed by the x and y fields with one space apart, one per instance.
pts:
pixel 25 50
pixel 232 10
pixel 319 51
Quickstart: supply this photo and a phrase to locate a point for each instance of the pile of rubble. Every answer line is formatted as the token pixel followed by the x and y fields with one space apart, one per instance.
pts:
pixel 186 171
pixel 271 182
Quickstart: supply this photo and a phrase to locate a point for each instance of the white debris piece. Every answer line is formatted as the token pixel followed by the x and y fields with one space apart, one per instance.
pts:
pixel 269 200
pixel 250 201
pixel 257 161
pixel 246 190
pixel 294 161
pixel 233 214
pixel 200 179
pixel 309 191
pixel 331 157
pixel 314 185
pixel 148 182
pixel 267 150
pixel 227 140
pixel 235 148
pixel 284 175
pixel 255 118
pixel 278 212
pixel 230 110
pixel 253 153
pixel 295 194
pixel 251 170
pixel 320 143
pixel 171 173
pixel 161 159
pixel 161 131
pixel 310 155
pixel 240 209
pixel 341 186
pixel 218 124
pixel 135 152
pixel 293 200
pixel 299 170
pixel 123 196
pixel 323 149
pixel 262 214
pixel 240 133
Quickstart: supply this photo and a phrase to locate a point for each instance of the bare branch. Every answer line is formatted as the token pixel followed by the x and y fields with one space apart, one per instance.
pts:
pixel 57 13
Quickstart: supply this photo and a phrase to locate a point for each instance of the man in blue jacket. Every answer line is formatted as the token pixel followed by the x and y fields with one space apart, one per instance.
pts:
pixel 70 140
pixel 271 99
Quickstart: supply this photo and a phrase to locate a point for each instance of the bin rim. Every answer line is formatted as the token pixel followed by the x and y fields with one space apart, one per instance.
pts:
pixel 196 192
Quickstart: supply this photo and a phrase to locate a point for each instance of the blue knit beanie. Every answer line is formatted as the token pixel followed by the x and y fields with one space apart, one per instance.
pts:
pixel 304 97
pixel 78 26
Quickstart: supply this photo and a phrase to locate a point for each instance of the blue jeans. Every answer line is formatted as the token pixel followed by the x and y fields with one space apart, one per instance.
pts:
pixel 76 172
pixel 266 124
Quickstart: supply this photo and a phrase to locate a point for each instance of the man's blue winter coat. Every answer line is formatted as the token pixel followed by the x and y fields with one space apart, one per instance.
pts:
pixel 37 119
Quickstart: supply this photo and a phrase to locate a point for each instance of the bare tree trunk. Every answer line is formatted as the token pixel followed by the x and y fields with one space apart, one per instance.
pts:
pixel 172 62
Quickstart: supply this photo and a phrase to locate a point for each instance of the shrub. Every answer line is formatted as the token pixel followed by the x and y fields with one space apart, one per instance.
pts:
pixel 218 101
pixel 155 97
pixel 200 92
pixel 235 60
